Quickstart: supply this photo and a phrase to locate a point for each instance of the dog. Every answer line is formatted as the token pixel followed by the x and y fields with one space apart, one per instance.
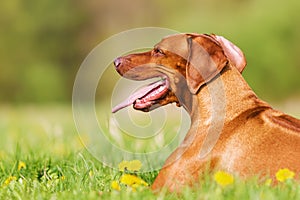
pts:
pixel 231 128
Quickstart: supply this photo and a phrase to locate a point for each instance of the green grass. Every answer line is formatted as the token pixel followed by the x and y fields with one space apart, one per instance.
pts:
pixel 59 167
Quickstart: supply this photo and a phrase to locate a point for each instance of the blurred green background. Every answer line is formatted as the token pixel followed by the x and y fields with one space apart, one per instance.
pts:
pixel 44 42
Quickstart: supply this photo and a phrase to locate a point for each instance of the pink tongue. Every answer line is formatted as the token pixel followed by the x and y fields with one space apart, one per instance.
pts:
pixel 139 94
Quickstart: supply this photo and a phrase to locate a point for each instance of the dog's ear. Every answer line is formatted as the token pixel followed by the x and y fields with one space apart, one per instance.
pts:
pixel 234 55
pixel 205 60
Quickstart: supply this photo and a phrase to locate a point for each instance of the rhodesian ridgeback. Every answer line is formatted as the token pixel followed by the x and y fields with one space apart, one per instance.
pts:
pixel 231 128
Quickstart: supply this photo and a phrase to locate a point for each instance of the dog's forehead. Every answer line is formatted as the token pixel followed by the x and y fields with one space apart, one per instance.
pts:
pixel 176 44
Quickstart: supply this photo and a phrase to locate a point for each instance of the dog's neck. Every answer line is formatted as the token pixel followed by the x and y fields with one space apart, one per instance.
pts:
pixel 223 99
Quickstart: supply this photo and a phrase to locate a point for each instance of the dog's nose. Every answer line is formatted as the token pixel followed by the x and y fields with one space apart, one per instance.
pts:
pixel 117 62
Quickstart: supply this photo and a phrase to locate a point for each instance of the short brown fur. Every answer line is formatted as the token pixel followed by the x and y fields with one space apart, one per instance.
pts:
pixel 255 139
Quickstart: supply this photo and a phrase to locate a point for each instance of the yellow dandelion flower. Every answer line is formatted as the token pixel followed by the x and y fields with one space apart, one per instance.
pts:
pixel 62 178
pixel 115 185
pixel 283 174
pixel 123 165
pixel 223 178
pixel 9 180
pixel 134 165
pixel 91 173
pixel 21 165
pixel 130 180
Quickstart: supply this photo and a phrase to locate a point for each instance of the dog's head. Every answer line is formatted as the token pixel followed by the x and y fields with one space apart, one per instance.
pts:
pixel 185 62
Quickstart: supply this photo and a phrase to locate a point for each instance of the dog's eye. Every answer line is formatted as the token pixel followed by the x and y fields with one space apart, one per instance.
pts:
pixel 158 51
